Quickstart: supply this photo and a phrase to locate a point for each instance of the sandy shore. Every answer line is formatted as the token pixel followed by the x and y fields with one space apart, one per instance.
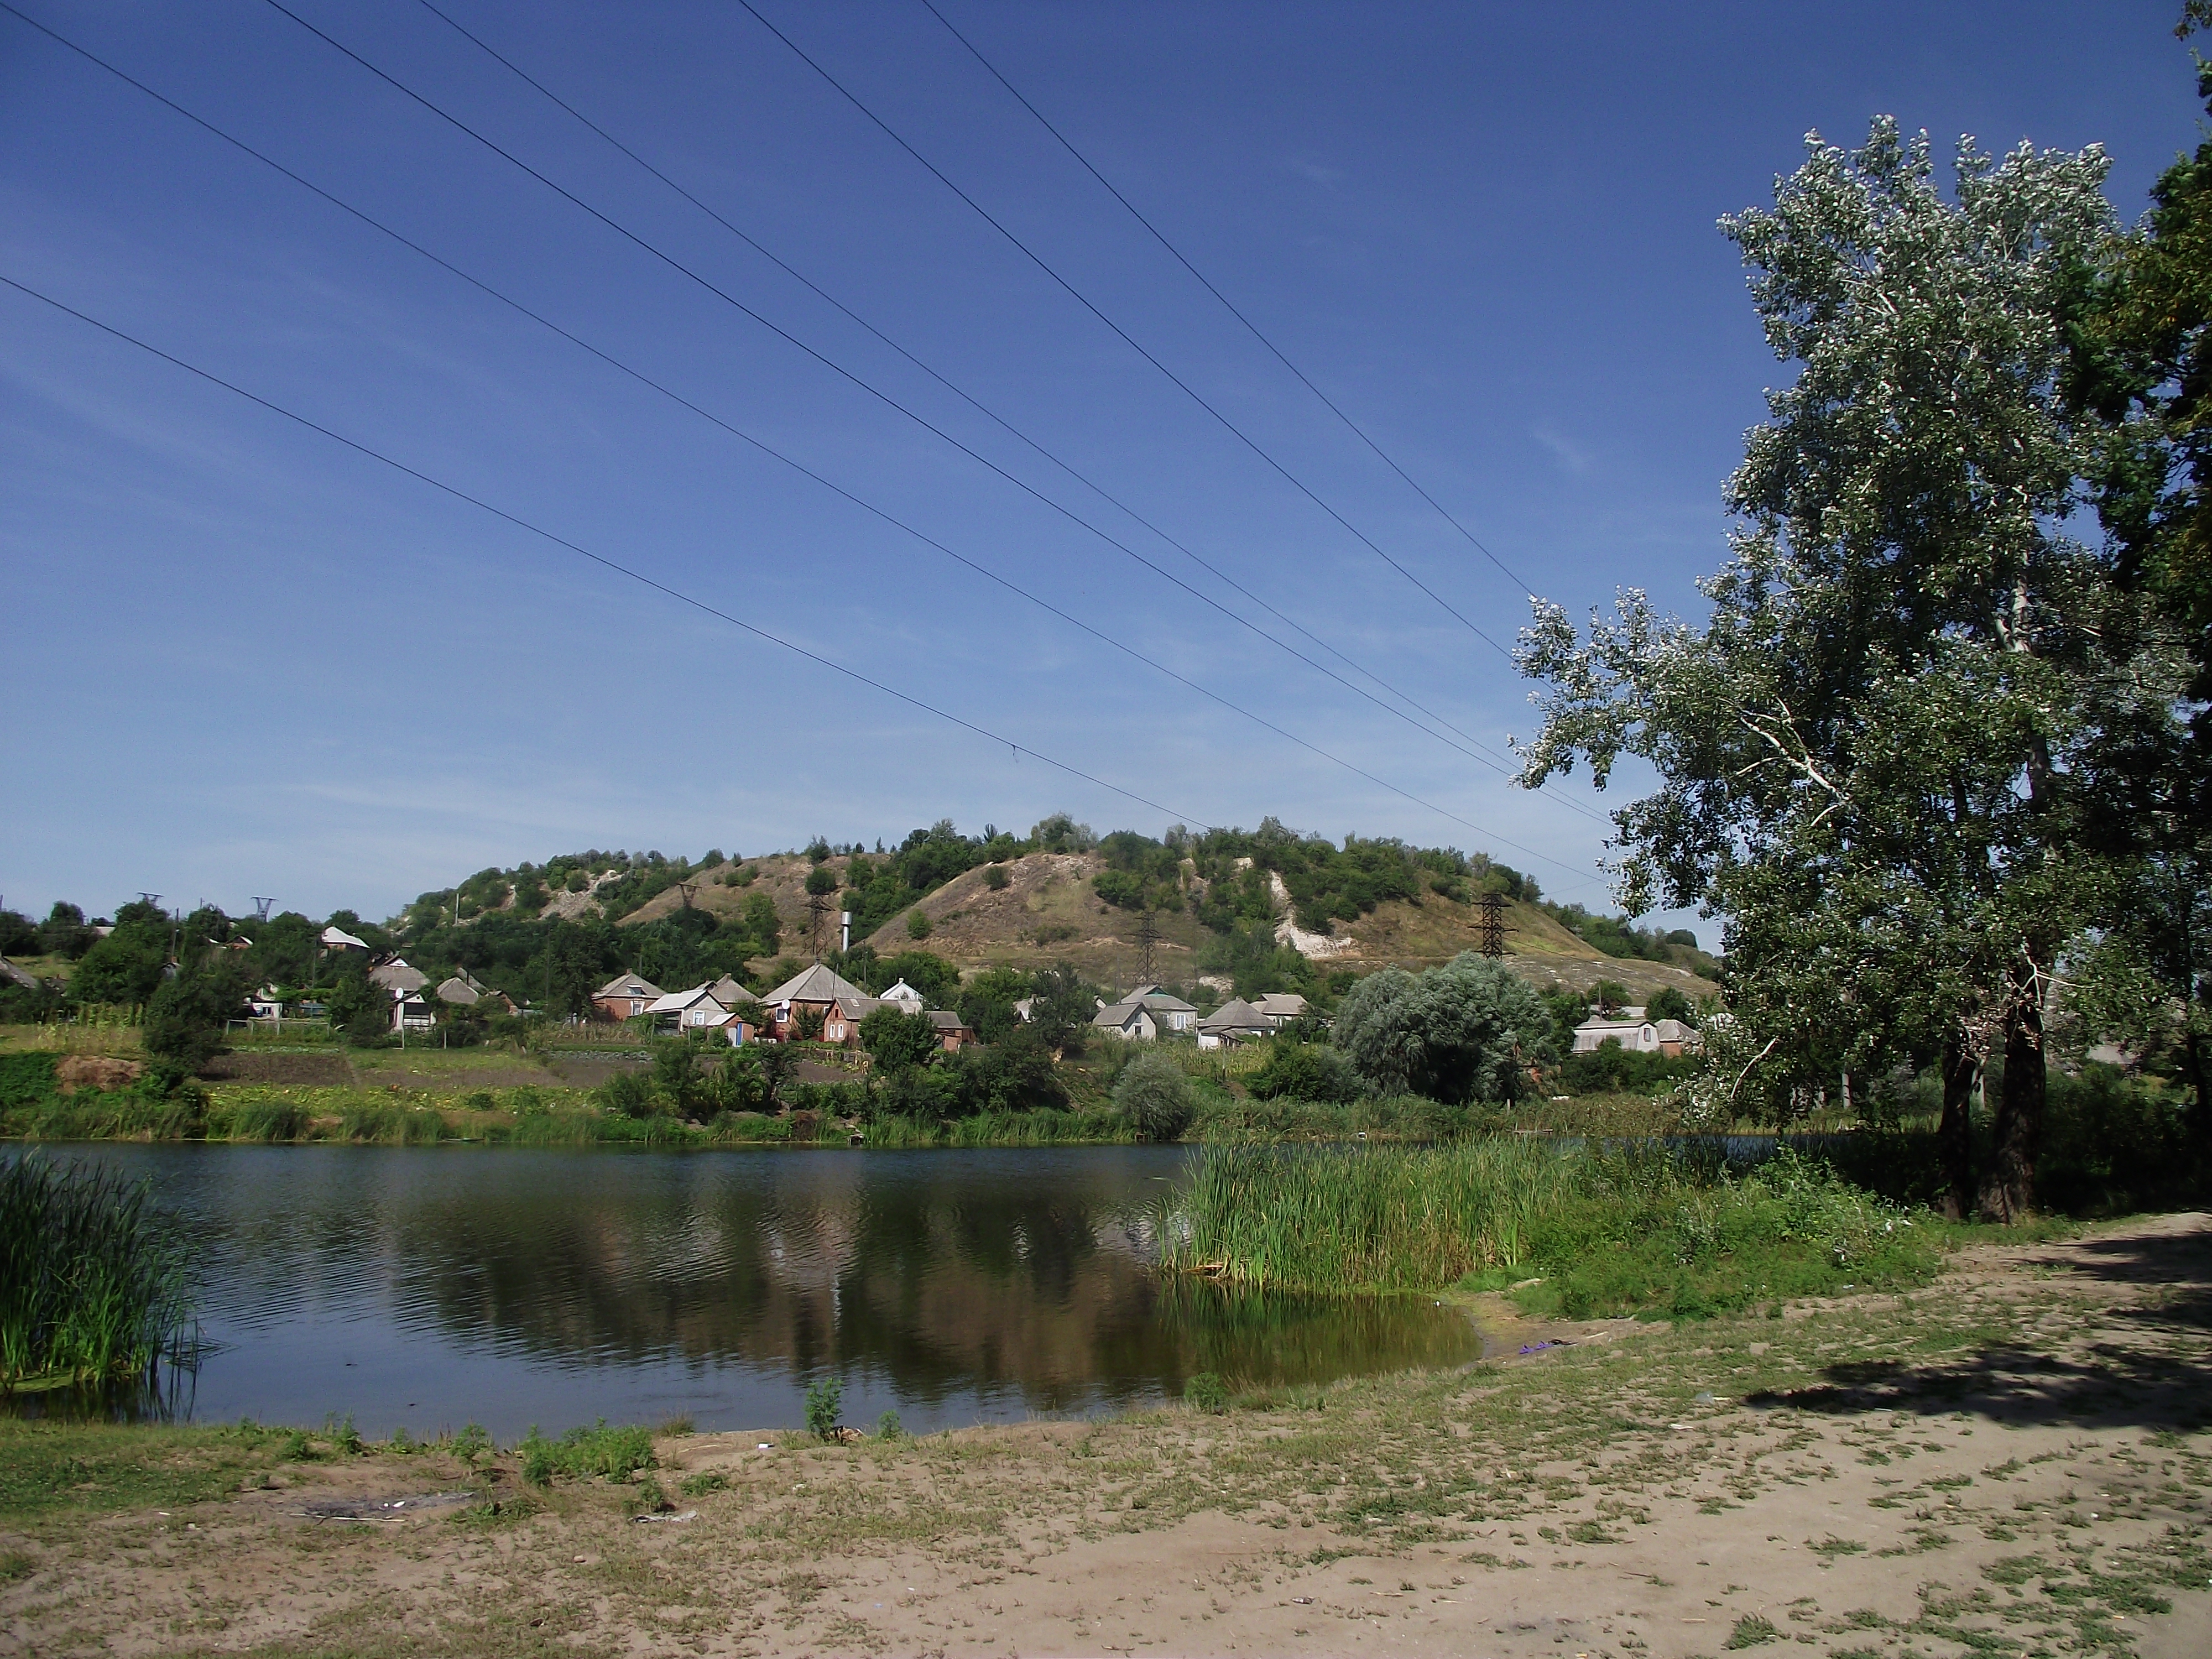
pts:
pixel 2016 1462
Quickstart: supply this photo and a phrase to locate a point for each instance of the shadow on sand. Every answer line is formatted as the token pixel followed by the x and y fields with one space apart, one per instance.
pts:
pixel 2147 1364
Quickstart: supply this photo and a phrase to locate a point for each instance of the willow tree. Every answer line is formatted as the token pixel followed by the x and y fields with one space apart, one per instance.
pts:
pixel 1863 754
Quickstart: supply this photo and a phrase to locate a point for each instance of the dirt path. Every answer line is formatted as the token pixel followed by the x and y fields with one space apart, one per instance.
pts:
pixel 2016 1462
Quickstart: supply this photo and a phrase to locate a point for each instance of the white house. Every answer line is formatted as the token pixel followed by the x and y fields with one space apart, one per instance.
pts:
pixel 1131 1021
pixel 337 938
pixel 1635 1034
pixel 908 1000
pixel 1170 1013
pixel 696 1009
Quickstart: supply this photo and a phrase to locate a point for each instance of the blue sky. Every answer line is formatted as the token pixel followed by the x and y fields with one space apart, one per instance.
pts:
pixel 241 659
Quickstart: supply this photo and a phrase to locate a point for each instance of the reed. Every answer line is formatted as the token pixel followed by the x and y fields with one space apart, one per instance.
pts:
pixel 93 1282
pixel 1604 1229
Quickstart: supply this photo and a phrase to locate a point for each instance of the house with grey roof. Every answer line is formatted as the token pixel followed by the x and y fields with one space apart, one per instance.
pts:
pixel 1234 1021
pixel 1632 1031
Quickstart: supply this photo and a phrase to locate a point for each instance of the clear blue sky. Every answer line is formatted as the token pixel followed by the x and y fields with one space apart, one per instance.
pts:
pixel 242 659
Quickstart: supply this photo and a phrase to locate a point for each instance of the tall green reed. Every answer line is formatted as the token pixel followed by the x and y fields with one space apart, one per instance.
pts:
pixel 94 1283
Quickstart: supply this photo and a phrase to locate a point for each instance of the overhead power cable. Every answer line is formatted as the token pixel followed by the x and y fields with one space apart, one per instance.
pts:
pixel 658 586
pixel 928 541
pixel 581 551
pixel 1204 282
pixel 1081 299
pixel 981 407
pixel 725 295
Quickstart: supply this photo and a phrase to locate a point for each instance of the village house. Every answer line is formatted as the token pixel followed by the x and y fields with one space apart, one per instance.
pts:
pixel 337 938
pixel 791 1003
pixel 1131 1021
pixel 465 990
pixel 1632 1031
pixel 906 997
pixel 952 1032
pixel 1281 1007
pixel 1169 1012
pixel 625 997
pixel 1234 1021
pixel 696 1009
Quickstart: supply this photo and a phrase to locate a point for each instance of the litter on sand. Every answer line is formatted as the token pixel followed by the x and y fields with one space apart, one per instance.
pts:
pixel 688 1514
pixel 1551 1342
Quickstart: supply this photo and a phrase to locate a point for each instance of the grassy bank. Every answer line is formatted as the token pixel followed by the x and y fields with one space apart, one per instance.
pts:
pixel 1601 1230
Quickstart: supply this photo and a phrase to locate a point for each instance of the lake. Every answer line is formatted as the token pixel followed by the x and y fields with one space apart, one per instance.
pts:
pixel 430 1287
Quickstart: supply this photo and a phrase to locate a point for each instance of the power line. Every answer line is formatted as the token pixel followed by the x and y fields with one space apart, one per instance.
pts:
pixel 883 397
pixel 742 436
pixel 961 392
pixel 1076 293
pixel 1275 350
pixel 600 559
pixel 699 605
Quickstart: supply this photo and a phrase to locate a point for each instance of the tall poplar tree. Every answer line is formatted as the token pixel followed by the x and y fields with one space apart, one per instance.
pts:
pixel 1864 754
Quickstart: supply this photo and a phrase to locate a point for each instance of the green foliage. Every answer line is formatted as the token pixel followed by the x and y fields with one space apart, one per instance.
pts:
pixel 1060 1010
pixel 617 1453
pixel 825 1398
pixel 1470 1030
pixel 1154 1094
pixel 996 879
pixel 628 1094
pixel 126 967
pixel 96 1284
pixel 897 1040
pixel 1607 1230
pixel 1669 1002
pixel 1305 1071
pixel 184 1017
pixel 917 923
pixel 888 1427
pixel 1206 1392
pixel 1611 1069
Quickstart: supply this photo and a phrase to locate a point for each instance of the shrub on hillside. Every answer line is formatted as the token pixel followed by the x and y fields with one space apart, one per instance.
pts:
pixel 1156 1097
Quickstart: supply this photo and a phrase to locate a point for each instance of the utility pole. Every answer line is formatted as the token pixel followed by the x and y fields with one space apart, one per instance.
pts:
pixel 1494 925
pixel 816 905
pixel 1148 934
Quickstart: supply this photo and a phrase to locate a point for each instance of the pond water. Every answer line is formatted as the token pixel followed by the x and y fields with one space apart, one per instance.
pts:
pixel 430 1287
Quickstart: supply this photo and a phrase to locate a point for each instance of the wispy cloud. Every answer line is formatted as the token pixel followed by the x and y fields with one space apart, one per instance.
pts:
pixel 1570 455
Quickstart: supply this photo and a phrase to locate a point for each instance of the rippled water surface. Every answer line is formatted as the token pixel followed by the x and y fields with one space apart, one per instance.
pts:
pixel 434 1287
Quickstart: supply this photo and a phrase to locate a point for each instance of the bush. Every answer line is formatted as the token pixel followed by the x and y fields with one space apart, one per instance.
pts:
pixel 1305 1070
pixel 1156 1097
pixel 1470 1030
pixel 1206 1393
pixel 825 1398
pixel 917 924
pixel 995 878
pixel 627 1093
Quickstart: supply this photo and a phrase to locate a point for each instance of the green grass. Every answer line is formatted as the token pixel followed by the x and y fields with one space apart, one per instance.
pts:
pixel 49 1466
pixel 1604 1230
pixel 96 1286
pixel 616 1453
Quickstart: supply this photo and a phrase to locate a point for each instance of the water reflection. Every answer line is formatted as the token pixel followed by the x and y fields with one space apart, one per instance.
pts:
pixel 434 1287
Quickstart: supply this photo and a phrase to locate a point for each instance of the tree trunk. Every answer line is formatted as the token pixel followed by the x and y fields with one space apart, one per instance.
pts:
pixel 1954 1135
pixel 2008 1194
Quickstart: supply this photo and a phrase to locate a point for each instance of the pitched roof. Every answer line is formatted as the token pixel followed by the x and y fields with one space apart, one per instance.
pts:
pixel 903 992
pixel 1283 1005
pixel 1114 1015
pixel 628 985
pixel 1234 1015
pixel 816 984
pixel 399 975
pixel 15 975
pixel 858 1008
pixel 730 994
pixel 339 939
pixel 1159 1000
pixel 675 1002
pixel 458 991
pixel 945 1020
